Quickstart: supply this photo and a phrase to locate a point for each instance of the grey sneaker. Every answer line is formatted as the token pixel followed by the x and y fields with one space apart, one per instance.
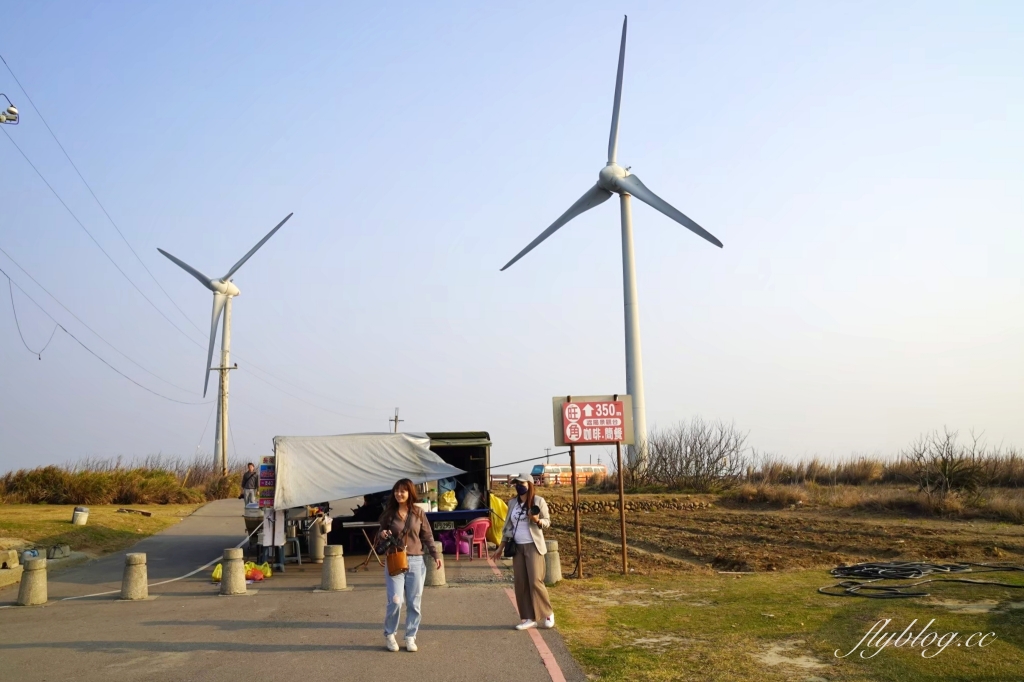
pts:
pixel 390 643
pixel 410 644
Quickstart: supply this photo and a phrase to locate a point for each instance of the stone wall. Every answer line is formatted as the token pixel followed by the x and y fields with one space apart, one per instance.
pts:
pixel 634 505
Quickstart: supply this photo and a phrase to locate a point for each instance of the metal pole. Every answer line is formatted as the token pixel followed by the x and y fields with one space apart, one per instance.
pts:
pixel 634 360
pixel 225 358
pixel 622 509
pixel 576 512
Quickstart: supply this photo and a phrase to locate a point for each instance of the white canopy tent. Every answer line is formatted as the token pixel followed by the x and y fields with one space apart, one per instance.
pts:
pixel 311 469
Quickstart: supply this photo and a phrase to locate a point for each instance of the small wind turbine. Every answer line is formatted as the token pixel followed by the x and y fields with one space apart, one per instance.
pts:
pixel 224 290
pixel 613 178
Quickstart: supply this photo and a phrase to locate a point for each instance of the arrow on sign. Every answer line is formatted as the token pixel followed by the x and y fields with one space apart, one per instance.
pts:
pixel 588 410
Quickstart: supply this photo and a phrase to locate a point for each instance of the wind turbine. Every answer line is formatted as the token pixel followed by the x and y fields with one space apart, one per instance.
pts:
pixel 614 179
pixel 224 290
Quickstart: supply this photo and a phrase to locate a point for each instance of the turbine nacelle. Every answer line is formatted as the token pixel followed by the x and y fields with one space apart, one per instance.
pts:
pixel 224 287
pixel 609 175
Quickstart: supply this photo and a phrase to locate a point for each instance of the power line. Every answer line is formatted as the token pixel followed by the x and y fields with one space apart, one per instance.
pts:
pixel 252 365
pixel 39 353
pixel 128 244
pixel 98 202
pixel 94 353
pixel 94 241
pixel 340 414
pixel 95 333
pixel 135 253
pixel 231 430
pixel 206 426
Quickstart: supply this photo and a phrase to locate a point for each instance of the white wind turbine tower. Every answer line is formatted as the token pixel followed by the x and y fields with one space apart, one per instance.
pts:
pixel 223 290
pixel 613 178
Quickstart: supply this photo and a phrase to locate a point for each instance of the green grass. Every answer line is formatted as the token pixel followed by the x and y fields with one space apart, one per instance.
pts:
pixel 712 627
pixel 107 531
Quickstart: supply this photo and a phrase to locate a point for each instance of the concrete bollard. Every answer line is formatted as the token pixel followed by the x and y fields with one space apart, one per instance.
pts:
pixel 33 583
pixel 135 582
pixel 232 577
pixel 317 542
pixel 9 559
pixel 435 575
pixel 333 577
pixel 552 563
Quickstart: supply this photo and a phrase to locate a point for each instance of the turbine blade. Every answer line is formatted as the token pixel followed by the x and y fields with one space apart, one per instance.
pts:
pixel 613 137
pixel 189 269
pixel 255 248
pixel 594 196
pixel 631 185
pixel 218 307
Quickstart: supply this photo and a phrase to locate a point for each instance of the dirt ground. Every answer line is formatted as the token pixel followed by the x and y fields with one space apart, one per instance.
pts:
pixel 760 539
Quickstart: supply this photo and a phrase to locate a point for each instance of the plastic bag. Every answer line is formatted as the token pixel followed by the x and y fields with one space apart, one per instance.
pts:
pixel 499 510
pixel 447 501
pixel 217 572
pixel 448 541
pixel 265 569
pixel 473 499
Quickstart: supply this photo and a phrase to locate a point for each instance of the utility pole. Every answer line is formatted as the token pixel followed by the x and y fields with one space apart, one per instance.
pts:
pixel 396 420
pixel 547 455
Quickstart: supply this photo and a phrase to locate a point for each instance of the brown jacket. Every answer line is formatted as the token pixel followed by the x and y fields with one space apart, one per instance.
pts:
pixel 419 535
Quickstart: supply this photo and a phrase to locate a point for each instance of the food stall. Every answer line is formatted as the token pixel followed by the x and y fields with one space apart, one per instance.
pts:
pixel 449 468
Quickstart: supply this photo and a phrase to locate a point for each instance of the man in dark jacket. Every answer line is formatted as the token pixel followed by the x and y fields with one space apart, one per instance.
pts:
pixel 250 483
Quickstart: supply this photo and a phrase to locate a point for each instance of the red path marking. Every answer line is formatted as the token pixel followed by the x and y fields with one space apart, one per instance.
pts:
pixel 546 656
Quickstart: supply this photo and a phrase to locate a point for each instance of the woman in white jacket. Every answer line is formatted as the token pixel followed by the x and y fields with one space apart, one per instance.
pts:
pixel 526 529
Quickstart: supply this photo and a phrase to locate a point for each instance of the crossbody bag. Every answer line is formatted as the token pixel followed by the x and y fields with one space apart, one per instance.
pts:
pixel 396 558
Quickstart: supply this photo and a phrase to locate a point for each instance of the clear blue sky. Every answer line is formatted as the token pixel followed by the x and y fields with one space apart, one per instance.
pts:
pixel 862 163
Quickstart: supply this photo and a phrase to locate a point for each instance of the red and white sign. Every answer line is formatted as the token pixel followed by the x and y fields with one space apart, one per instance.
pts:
pixel 595 422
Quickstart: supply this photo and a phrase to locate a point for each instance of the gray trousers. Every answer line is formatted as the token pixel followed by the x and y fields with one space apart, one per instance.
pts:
pixel 249 495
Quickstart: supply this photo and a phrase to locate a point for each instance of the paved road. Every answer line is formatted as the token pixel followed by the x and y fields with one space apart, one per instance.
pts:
pixel 285 630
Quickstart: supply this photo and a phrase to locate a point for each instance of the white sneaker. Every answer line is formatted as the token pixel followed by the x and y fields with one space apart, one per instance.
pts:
pixel 549 622
pixel 410 644
pixel 390 643
pixel 526 625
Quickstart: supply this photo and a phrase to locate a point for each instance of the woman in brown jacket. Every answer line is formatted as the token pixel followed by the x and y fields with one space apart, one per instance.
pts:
pixel 404 519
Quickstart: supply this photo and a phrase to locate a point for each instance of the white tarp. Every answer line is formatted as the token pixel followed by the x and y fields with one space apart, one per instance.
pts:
pixel 313 469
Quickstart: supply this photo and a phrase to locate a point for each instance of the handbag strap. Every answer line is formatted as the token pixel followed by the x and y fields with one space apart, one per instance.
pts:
pixel 408 520
pixel 519 517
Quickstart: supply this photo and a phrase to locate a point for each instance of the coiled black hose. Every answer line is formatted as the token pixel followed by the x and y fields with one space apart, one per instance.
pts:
pixel 867 574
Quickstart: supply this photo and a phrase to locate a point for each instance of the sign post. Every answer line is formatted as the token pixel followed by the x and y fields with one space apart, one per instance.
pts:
pixel 576 513
pixel 594 420
pixel 622 509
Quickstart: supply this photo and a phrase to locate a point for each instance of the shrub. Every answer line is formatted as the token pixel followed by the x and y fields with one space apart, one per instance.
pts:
pixel 154 480
pixel 700 456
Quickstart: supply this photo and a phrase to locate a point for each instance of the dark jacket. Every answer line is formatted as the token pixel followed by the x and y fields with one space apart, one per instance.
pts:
pixel 250 480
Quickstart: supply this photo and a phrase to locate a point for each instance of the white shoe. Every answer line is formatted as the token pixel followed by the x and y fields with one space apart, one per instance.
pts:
pixel 526 625
pixel 549 622
pixel 390 643
pixel 410 644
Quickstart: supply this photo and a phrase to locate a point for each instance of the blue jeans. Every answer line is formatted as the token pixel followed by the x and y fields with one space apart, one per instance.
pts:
pixel 249 495
pixel 408 588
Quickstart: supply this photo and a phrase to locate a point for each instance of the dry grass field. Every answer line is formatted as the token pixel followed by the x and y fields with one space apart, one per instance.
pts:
pixel 107 531
pixel 727 590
